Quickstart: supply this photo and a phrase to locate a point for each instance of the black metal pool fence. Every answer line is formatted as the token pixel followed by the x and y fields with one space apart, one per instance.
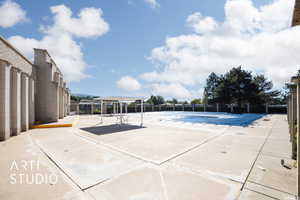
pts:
pixel 95 108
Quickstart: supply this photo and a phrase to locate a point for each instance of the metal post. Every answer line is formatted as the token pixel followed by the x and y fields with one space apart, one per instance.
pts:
pixel 218 109
pixel 267 108
pixel 231 108
pixel 121 118
pixel 142 110
pixel 248 107
pixel 101 111
pixel 92 108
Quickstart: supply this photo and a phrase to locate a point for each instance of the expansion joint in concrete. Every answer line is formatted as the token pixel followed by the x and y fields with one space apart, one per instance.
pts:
pixel 259 153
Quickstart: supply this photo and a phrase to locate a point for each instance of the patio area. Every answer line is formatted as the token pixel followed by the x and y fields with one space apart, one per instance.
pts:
pixel 104 161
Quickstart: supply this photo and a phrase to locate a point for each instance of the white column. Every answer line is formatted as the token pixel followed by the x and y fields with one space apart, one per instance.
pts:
pixel 61 102
pixel 15 101
pixel 31 101
pixel 69 102
pixel 65 103
pixel 4 100
pixel 24 102
pixel 56 113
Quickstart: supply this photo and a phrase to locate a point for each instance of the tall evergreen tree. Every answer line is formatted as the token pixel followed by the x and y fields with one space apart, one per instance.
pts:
pixel 238 86
pixel 156 100
pixel 265 93
pixel 212 83
pixel 241 87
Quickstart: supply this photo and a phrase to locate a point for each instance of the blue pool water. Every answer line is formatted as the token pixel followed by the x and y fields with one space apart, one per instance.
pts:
pixel 214 118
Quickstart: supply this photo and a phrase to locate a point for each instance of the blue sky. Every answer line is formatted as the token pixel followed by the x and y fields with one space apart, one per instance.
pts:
pixel 135 29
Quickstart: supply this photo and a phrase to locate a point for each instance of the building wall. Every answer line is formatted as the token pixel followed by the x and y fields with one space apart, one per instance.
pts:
pixel 296 16
pixel 28 92
pixel 9 54
pixel 51 91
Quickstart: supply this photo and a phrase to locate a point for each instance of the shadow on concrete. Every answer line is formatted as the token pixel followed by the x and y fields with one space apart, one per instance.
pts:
pixel 109 129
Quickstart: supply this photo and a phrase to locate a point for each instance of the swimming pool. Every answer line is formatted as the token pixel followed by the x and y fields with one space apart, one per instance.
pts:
pixel 207 118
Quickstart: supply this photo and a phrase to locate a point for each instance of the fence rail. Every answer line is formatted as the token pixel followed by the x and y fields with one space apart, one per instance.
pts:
pixel 95 108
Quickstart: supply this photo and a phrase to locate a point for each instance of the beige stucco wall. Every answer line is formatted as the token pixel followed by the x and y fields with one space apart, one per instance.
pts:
pixel 16 59
pixel 49 98
pixel 28 92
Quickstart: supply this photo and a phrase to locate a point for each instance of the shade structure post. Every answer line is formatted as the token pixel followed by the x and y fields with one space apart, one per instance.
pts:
pixel 101 102
pixel 142 111
pixel 121 118
pixel 121 101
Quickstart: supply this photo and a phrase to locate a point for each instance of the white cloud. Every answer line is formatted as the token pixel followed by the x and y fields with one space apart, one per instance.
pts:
pixel 59 39
pixel 259 39
pixel 201 24
pixel 11 14
pixel 152 3
pixel 173 90
pixel 89 22
pixel 128 83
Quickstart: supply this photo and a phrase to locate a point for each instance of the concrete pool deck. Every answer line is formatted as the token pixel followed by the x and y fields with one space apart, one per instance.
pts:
pixel 102 161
